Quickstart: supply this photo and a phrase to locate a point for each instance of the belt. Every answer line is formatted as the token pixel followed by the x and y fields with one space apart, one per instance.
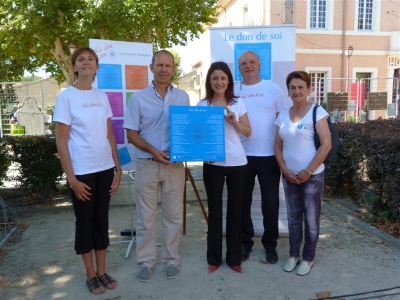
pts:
pixel 152 159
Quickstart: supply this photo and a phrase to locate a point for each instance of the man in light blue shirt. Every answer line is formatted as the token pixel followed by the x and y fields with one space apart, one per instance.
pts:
pixel 147 124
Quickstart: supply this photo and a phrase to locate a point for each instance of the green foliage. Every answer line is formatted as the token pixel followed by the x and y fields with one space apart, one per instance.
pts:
pixel 8 103
pixel 351 119
pixel 367 166
pixel 31 77
pixel 39 166
pixel 35 33
pixel 178 69
pixel 5 161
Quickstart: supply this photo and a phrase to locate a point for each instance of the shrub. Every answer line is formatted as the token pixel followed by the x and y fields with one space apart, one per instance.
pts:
pixel 367 166
pixel 5 161
pixel 39 166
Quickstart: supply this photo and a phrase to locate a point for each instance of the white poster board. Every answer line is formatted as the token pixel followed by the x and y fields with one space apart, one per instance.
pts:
pixel 123 70
pixel 276 47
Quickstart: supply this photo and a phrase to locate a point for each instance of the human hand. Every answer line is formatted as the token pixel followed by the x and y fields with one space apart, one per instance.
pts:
pixel 81 190
pixel 230 116
pixel 116 182
pixel 2 282
pixel 291 177
pixel 162 157
pixel 303 176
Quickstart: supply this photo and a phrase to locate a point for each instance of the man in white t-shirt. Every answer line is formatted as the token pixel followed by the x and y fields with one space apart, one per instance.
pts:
pixel 263 100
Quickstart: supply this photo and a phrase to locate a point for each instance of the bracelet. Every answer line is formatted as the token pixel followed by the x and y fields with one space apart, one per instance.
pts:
pixel 72 185
pixel 118 169
pixel 308 171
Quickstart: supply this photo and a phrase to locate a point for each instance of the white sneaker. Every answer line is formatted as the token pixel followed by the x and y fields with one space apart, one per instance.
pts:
pixel 304 268
pixel 291 264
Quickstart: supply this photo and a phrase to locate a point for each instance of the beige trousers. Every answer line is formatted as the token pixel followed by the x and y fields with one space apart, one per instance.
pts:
pixel 154 179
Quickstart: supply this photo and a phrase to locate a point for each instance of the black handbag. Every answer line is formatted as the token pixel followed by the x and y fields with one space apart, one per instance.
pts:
pixel 334 137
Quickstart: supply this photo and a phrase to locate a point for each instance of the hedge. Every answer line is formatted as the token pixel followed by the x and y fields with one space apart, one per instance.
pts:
pixel 38 164
pixel 367 166
pixel 5 161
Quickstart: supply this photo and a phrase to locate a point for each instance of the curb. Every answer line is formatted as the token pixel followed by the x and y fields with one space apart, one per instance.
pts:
pixel 385 237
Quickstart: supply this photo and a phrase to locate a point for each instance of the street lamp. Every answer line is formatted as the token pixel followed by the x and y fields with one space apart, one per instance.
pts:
pixel 72 48
pixel 349 52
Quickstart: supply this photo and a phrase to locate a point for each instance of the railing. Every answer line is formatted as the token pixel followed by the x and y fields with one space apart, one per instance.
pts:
pixel 8 221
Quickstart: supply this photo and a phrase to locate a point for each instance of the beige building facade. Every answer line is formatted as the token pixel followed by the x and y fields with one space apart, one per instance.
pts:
pixel 339 42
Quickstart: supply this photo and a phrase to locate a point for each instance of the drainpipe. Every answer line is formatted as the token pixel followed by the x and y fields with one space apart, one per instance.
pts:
pixel 343 38
pixel 224 14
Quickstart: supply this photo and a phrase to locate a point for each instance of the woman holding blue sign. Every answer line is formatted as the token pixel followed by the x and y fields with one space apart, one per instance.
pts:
pixel 219 92
pixel 302 168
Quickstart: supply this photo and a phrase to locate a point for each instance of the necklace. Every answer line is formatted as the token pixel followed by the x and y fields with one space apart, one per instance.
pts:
pixel 300 109
pixel 295 112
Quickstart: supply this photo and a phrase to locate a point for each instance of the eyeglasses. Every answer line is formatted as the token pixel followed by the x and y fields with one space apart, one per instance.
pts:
pixel 251 62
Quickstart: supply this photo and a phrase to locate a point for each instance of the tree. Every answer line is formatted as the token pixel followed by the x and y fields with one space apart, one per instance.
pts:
pixel 31 77
pixel 36 33
pixel 178 69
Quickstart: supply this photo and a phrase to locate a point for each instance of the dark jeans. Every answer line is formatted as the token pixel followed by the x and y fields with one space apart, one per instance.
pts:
pixel 214 178
pixel 268 173
pixel 304 199
pixel 91 225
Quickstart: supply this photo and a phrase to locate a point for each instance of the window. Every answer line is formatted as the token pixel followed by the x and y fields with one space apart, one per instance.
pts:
pixel 318 14
pixel 245 16
pixel 365 14
pixel 367 80
pixel 317 86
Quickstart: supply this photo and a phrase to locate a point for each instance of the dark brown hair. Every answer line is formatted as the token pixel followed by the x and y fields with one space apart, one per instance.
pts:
pixel 298 75
pixel 229 94
pixel 81 51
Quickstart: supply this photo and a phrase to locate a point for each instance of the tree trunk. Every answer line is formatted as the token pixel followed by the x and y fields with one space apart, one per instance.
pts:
pixel 63 61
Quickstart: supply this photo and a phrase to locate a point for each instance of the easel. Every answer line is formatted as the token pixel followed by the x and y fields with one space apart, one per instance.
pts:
pixel 188 176
pixel 132 232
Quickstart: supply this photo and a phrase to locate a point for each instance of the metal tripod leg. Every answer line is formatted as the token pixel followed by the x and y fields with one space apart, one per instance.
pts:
pixel 133 236
pixel 196 192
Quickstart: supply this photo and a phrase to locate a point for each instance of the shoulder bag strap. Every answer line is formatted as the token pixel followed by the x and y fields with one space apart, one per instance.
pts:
pixel 314 117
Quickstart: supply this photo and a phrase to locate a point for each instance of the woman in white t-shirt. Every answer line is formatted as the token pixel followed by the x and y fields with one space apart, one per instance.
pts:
pixel 302 168
pixel 219 92
pixel 88 153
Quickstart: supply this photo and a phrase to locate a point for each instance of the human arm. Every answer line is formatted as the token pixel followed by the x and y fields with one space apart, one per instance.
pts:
pixel 135 139
pixel 280 103
pixel 278 149
pixel 80 189
pixel 114 151
pixel 242 125
pixel 324 135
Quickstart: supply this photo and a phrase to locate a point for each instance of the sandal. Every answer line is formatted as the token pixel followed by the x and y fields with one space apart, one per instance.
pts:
pixel 106 279
pixel 94 284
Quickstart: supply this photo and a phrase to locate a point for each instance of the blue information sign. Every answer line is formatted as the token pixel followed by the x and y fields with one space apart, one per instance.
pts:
pixel 197 133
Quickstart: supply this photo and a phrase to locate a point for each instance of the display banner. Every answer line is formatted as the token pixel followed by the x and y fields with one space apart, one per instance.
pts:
pixel 197 133
pixel 275 45
pixel 123 70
